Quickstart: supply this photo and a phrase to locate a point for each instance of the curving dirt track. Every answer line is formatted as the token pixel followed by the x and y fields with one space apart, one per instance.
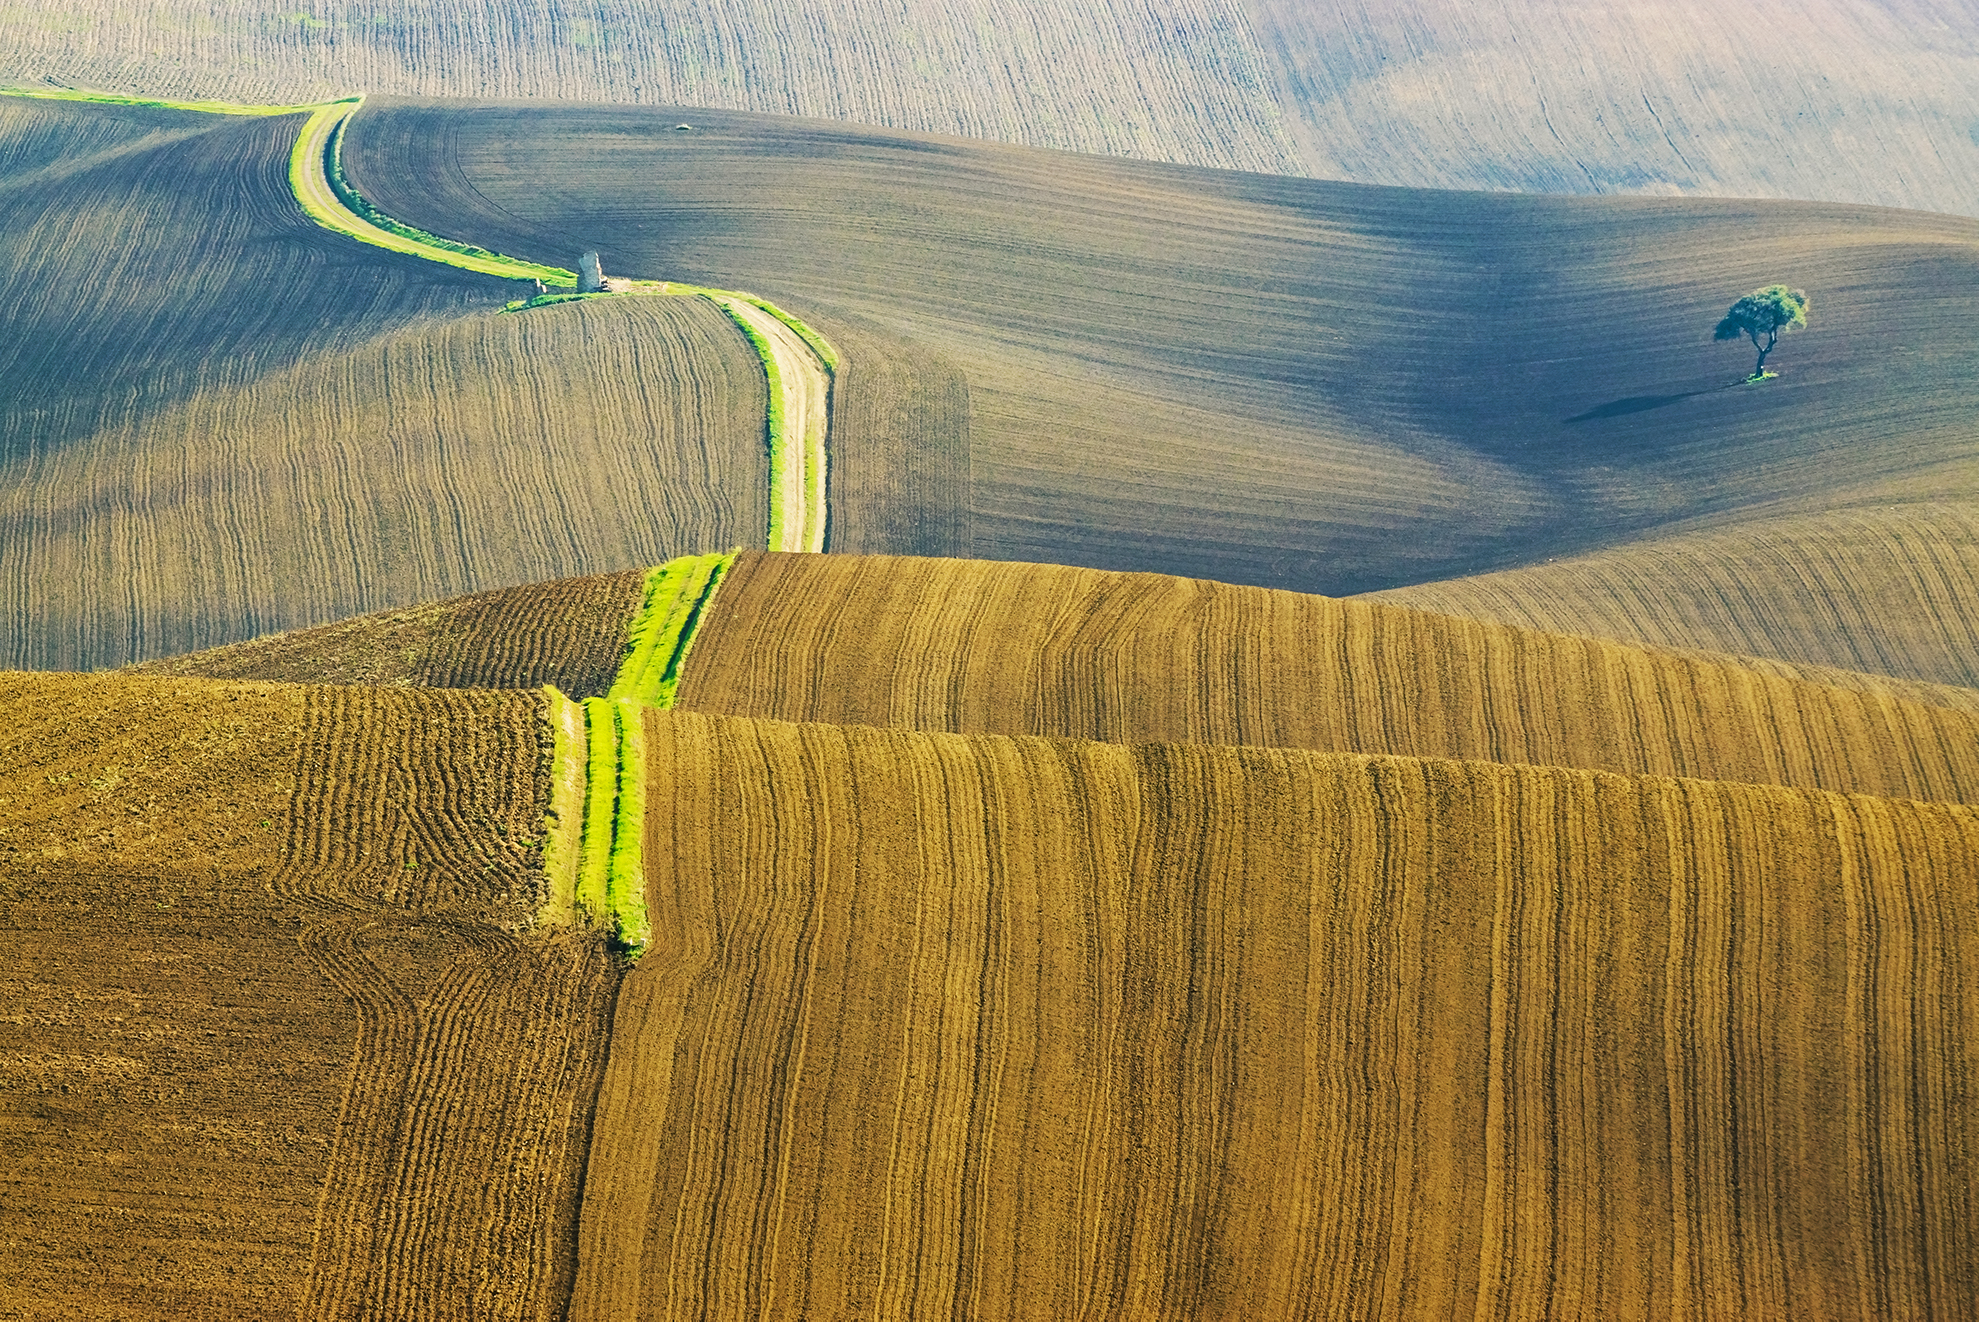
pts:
pixel 975 1026
pixel 806 402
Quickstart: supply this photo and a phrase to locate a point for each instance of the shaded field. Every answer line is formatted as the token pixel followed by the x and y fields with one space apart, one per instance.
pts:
pixel 278 1042
pixel 1263 380
pixel 485 451
pixel 1046 650
pixel 568 632
pixel 1876 104
pixel 899 447
pixel 1888 589
pixel 993 1027
pixel 148 255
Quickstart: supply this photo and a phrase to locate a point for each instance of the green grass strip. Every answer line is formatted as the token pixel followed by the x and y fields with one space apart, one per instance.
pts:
pixel 677 597
pixel 600 808
pixel 627 883
pixel 112 99
pixel 315 172
pixel 563 819
pixel 819 344
pixel 333 170
pixel 775 425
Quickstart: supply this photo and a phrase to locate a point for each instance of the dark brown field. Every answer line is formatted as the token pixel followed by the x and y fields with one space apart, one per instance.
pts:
pixel 941 1026
pixel 570 632
pixel 1273 381
pixel 274 1041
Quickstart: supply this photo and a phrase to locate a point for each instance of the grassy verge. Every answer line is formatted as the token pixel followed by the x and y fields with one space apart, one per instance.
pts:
pixel 315 177
pixel 600 808
pixel 563 820
pixel 776 423
pixel 677 597
pixel 333 170
pixel 204 107
pixel 626 885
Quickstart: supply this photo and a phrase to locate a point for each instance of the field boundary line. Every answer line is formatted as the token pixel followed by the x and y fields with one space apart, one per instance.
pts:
pixel 594 827
pixel 316 177
pixel 678 594
pixel 563 820
pixel 800 365
pixel 626 879
pixel 601 764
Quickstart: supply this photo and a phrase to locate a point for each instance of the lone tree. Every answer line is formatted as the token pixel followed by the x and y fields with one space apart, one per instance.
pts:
pixel 1764 315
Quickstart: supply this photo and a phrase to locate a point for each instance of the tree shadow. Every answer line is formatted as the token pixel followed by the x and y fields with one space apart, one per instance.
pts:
pixel 1619 408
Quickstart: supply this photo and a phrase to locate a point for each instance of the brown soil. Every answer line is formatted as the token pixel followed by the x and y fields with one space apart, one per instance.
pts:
pixel 899 446
pixel 1047 650
pixel 973 1026
pixel 274 1038
pixel 568 632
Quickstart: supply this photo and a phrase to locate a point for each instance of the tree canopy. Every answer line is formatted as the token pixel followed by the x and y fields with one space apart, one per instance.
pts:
pixel 1763 316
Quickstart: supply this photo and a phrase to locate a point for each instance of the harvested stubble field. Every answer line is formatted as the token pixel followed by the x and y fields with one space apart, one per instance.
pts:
pixel 974 1026
pixel 969 646
pixel 1876 104
pixel 273 1043
pixel 1296 384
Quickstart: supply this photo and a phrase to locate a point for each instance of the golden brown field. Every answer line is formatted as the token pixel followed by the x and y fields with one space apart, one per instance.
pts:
pixel 1886 588
pixel 570 632
pixel 977 1026
pixel 274 1044
pixel 969 646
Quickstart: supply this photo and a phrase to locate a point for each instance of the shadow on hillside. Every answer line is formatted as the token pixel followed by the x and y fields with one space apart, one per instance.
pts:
pixel 1616 408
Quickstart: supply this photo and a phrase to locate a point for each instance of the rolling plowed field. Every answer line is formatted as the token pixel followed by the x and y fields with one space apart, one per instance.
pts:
pixel 224 421
pixel 1886 589
pixel 1046 650
pixel 899 447
pixel 570 633
pixel 1875 105
pixel 1295 384
pixel 274 1041
pixel 487 451
pixel 944 1026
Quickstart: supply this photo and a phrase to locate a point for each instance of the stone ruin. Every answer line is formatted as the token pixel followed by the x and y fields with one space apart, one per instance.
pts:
pixel 590 275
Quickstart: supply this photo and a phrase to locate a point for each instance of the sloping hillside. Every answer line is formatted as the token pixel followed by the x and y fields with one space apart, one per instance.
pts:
pixel 1888 588
pixel 484 451
pixel 1042 650
pixel 1020 1028
pixel 1272 381
pixel 273 1044
pixel 1842 100
pixel 569 632
pixel 148 254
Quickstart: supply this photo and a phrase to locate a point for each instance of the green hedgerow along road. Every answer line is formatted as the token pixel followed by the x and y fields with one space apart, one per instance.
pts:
pixel 798 362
